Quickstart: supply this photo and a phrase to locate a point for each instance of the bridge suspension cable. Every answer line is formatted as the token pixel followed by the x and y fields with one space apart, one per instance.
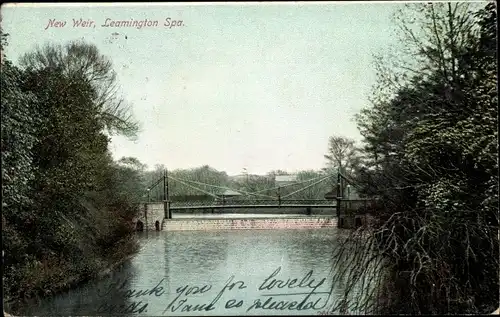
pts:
pixel 253 194
pixel 283 186
pixel 193 187
pixel 304 188
pixel 223 187
pixel 350 181
pixel 156 183
pixel 186 182
pixel 288 185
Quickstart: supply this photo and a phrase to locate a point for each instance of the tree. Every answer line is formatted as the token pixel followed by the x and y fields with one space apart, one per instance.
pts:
pixel 342 154
pixel 203 180
pixel 76 60
pixel 261 185
pixel 130 182
pixel 344 157
pixel 278 173
pixel 431 138
pixel 19 121
pixel 66 202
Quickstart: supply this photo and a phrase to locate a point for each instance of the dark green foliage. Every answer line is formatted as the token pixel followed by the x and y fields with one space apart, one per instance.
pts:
pixel 67 207
pixel 433 146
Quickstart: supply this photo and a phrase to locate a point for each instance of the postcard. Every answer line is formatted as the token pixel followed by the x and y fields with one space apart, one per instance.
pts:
pixel 248 158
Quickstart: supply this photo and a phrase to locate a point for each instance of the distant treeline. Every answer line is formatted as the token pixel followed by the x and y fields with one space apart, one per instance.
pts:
pixel 206 183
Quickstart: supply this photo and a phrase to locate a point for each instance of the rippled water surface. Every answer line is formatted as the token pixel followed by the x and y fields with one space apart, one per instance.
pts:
pixel 212 273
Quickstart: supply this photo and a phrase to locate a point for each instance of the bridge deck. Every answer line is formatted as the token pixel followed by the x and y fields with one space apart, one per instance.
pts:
pixel 250 206
pixel 246 216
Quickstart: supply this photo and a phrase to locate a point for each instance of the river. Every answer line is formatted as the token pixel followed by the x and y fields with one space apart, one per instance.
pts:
pixel 192 273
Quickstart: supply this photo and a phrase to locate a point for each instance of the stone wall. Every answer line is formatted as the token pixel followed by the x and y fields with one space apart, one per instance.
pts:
pixel 326 211
pixel 256 223
pixel 155 213
pixel 324 218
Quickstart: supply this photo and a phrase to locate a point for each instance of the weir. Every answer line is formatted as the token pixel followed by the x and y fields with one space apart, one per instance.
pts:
pixel 228 217
pixel 229 211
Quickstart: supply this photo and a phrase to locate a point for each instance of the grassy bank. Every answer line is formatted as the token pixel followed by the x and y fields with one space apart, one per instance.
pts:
pixel 57 275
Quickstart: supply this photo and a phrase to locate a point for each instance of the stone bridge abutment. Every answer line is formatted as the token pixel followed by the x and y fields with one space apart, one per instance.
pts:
pixel 150 217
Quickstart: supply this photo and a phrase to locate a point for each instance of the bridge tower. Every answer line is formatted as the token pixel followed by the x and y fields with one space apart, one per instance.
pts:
pixel 166 198
pixel 339 193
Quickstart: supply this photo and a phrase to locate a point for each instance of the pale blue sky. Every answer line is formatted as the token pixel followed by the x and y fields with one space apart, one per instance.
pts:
pixel 255 86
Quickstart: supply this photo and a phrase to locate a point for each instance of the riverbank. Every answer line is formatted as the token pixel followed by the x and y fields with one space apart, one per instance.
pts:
pixel 171 260
pixel 125 251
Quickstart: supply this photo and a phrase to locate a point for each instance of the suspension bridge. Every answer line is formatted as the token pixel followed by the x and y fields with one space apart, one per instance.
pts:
pixel 222 200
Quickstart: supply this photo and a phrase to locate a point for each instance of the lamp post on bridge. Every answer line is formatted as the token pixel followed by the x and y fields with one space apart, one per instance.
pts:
pixel 339 192
pixel 335 195
pixel 165 185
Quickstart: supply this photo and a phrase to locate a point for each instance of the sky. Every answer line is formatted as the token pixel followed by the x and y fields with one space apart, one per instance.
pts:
pixel 234 86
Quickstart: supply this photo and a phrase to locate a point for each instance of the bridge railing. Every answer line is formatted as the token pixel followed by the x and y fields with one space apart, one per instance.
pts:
pixel 344 203
pixel 355 206
pixel 358 206
pixel 254 202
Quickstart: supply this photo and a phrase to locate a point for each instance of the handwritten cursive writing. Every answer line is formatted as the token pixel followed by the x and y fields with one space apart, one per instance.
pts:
pixel 132 308
pixel 275 293
pixel 312 298
pixel 290 283
pixel 129 293
pixel 185 292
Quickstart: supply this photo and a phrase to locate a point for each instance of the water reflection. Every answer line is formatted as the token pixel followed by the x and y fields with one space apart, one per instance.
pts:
pixel 196 260
pixel 84 300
